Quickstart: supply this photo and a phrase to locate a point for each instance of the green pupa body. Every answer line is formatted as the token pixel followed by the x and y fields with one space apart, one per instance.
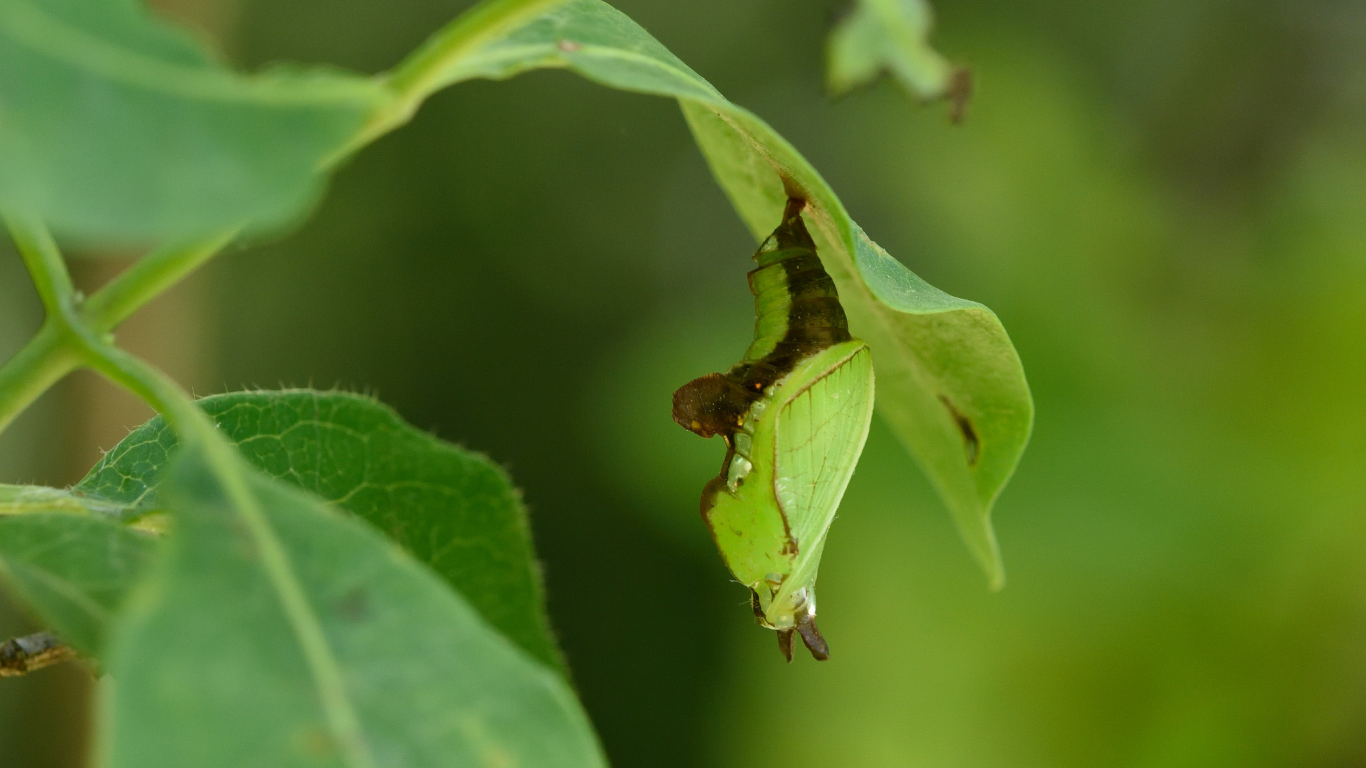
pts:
pixel 794 413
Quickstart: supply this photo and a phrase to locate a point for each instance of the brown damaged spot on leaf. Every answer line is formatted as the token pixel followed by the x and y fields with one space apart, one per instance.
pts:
pixel 318 743
pixel 971 444
pixel 354 607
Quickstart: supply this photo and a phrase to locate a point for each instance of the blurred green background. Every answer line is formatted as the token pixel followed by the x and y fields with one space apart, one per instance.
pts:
pixel 1165 202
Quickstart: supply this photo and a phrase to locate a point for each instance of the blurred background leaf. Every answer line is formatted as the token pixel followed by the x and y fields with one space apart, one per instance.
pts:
pixel 119 127
pixel 892 37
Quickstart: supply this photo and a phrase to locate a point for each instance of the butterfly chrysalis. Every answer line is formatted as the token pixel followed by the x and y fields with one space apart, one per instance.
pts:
pixel 794 415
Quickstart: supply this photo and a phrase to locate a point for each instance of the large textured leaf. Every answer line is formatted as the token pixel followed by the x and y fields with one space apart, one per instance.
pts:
pixel 275 631
pixel 116 126
pixel 949 380
pixel 452 509
pixel 890 36
pixel 73 570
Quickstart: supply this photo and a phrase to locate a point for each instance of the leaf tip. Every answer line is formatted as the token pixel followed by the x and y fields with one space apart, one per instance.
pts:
pixel 981 541
pixel 998 578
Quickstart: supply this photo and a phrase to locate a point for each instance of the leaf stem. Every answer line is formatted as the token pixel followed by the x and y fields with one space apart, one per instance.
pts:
pixel 40 364
pixel 154 387
pixel 420 73
pixel 424 70
pixel 44 261
pixel 73 334
pixel 146 279
pixel 51 353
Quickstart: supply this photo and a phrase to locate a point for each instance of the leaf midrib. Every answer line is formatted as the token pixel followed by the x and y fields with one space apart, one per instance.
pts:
pixel 341 716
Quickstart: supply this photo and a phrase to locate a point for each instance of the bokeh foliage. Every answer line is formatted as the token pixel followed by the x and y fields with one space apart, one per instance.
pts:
pixel 1161 200
pixel 1173 247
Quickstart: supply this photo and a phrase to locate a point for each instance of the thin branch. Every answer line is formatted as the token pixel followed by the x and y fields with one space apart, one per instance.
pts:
pixel 426 69
pixel 148 383
pixel 50 354
pixel 32 652
pixel 44 262
pixel 72 336
pixel 42 362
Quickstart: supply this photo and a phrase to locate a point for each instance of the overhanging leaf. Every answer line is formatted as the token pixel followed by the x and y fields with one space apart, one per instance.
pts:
pixel 892 36
pixel 73 570
pixel 116 126
pixel 949 381
pixel 274 631
pixel 452 509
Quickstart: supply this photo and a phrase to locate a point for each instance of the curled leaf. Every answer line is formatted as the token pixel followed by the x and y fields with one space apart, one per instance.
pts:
pixel 949 381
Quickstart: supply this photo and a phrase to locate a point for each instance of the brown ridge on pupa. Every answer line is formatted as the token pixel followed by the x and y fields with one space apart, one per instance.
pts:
pixel 714 404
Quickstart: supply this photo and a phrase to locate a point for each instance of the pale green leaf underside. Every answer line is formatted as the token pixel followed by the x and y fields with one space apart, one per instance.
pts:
pixel 950 382
pixel 72 569
pixel 804 446
pixel 116 126
pixel 886 36
pixel 452 509
pixel 819 436
pixel 274 631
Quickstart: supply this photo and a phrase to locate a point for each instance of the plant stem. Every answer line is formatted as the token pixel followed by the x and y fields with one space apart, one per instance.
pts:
pixel 44 263
pixel 70 338
pixel 154 387
pixel 425 69
pixel 73 336
pixel 51 353
pixel 150 276
pixel 73 333
pixel 421 72
pixel 41 363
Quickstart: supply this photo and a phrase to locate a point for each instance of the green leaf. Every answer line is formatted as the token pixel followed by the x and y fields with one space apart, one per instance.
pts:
pixel 891 36
pixel 72 570
pixel 452 509
pixel 949 381
pixel 117 126
pixel 274 631
pixel 28 499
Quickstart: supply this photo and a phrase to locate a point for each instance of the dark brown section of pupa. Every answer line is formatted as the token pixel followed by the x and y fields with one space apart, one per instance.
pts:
pixel 715 403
